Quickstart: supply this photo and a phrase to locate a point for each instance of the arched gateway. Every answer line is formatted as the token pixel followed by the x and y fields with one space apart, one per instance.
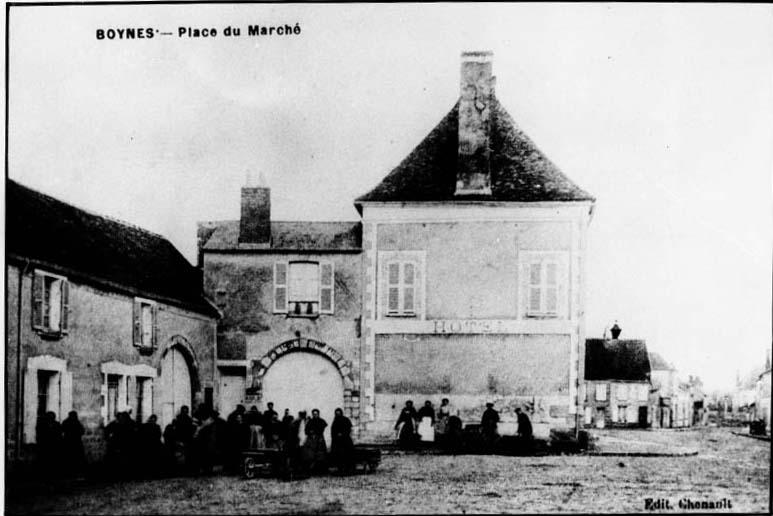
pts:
pixel 179 378
pixel 301 374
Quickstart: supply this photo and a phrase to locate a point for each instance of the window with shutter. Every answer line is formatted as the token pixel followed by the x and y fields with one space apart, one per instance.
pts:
pixel 145 326
pixel 326 287
pixel 401 285
pixel 280 287
pixel 545 284
pixel 50 304
pixel 601 392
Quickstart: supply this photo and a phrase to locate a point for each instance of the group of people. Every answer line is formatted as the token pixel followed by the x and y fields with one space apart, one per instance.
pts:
pixel 60 445
pixel 301 437
pixel 444 426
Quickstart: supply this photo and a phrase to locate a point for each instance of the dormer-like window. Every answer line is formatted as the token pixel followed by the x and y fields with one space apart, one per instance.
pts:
pixel 304 288
pixel 50 304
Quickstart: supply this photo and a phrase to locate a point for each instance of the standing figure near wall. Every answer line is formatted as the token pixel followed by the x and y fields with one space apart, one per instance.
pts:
pixel 315 446
pixel 488 424
pixel 73 454
pixel 255 422
pixel 151 449
pixel 49 439
pixel 341 446
pixel 441 426
pixel 524 425
pixel 406 426
pixel 427 422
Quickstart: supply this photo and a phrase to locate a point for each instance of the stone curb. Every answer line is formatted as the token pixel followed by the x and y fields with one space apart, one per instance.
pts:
pixel 758 437
pixel 690 453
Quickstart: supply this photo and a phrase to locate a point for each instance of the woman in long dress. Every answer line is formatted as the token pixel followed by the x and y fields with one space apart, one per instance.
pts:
pixel 406 426
pixel 427 422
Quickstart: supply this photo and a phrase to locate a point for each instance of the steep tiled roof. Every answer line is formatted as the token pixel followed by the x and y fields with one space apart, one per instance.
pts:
pixel 659 363
pixel 53 233
pixel 288 236
pixel 616 360
pixel 519 171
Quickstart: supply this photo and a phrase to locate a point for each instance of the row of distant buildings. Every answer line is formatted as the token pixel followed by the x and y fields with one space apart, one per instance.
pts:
pixel 628 386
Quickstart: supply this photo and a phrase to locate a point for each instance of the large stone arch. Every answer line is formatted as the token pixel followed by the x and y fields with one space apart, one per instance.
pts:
pixel 300 344
pixel 181 344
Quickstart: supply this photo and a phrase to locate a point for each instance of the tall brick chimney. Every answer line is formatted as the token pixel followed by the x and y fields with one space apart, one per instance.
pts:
pixel 473 175
pixel 255 221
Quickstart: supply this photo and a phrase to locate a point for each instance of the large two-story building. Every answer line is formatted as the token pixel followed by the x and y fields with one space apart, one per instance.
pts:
pixel 464 279
pixel 102 317
pixel 290 293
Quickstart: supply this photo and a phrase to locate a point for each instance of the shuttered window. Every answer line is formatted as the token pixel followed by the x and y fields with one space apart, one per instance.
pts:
pixel 280 287
pixel 545 284
pixel 145 325
pixel 401 285
pixel 50 303
pixel 304 289
pixel 326 287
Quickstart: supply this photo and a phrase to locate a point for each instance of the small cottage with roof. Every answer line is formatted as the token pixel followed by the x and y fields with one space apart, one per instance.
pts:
pixel 617 383
pixel 473 272
pixel 102 317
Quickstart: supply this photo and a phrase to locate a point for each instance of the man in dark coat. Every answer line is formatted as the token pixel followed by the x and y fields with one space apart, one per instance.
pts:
pixel 341 445
pixel 150 446
pixel 49 440
pixel 407 435
pixel 270 418
pixel 74 456
pixel 488 424
pixel 183 434
pixel 315 446
pixel 524 425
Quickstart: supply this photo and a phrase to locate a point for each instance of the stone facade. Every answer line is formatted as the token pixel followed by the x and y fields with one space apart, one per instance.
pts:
pixel 253 336
pixel 617 404
pixel 99 342
pixel 471 337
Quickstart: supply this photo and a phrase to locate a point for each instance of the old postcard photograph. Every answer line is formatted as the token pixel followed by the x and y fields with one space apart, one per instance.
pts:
pixel 388 258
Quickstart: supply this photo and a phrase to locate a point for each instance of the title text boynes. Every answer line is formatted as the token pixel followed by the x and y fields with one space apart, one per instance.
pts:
pixel 129 33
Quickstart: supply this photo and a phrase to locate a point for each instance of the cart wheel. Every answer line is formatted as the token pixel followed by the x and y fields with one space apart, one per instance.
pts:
pixel 249 467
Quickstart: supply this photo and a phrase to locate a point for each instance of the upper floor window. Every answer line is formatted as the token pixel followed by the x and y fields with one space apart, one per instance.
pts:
pixel 401 284
pixel 145 325
pixel 545 284
pixel 304 289
pixel 601 392
pixel 50 303
pixel 622 391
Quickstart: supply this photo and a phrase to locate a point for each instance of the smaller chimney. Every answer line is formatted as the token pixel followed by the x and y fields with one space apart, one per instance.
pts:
pixel 615 331
pixel 473 175
pixel 255 222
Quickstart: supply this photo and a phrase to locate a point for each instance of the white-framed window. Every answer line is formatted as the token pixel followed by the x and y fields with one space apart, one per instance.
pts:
pixel 145 325
pixel 304 288
pixel 601 392
pixel 401 284
pixel 644 392
pixel 50 303
pixel 622 414
pixel 544 283
pixel 621 390
pixel 127 388
pixel 47 388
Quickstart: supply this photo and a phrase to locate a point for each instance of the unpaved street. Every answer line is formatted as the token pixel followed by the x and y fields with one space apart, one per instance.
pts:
pixel 728 466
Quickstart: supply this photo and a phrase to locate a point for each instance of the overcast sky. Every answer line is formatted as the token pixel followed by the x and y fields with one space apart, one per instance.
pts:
pixel 664 113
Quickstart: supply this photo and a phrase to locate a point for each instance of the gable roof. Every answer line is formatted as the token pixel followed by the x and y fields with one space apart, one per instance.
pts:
pixel 58 236
pixel 658 363
pixel 616 360
pixel 285 236
pixel 520 172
